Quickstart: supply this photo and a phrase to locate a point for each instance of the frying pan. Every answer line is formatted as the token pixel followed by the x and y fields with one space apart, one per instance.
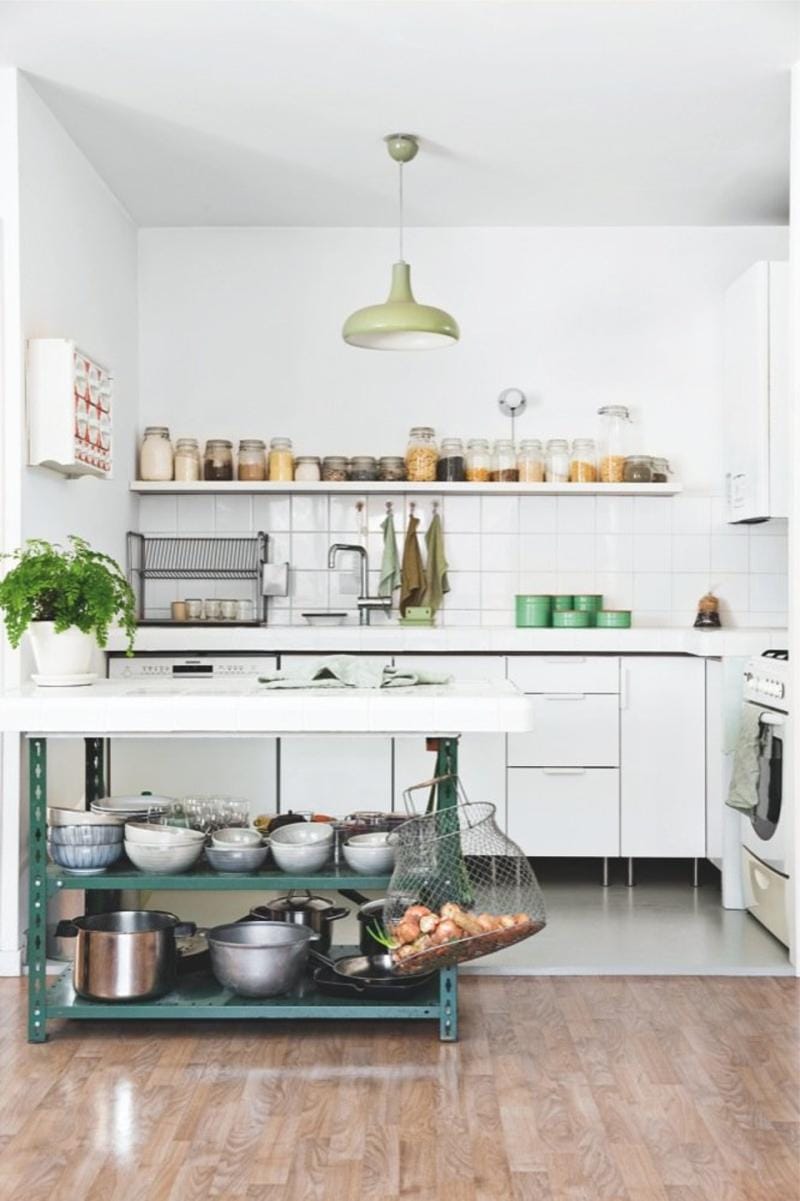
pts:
pixel 366 972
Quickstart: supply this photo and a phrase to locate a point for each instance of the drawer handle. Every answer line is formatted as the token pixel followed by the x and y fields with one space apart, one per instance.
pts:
pixel 760 880
pixel 565 696
pixel 564 771
pixel 565 659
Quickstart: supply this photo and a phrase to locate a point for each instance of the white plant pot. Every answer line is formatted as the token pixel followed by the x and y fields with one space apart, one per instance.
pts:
pixel 66 654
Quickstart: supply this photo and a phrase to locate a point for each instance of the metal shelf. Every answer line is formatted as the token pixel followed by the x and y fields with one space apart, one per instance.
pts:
pixel 205 879
pixel 387 488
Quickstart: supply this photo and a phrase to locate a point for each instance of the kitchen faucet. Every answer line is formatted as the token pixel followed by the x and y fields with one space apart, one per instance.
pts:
pixel 366 603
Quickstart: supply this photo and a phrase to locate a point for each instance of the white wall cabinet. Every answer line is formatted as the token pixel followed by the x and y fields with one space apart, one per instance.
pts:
pixel 662 754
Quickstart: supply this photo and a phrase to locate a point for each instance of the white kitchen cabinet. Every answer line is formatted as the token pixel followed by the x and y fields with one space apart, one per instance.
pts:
pixel 570 811
pixel 564 673
pixel 570 729
pixel 663 769
pixel 756 394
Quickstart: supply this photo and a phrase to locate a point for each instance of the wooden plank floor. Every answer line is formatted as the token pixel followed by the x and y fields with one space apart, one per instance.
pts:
pixel 581 1089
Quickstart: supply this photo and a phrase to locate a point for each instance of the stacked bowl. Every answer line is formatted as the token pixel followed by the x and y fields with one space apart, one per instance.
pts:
pixel 302 848
pixel 370 854
pixel 236 849
pixel 162 850
pixel 80 843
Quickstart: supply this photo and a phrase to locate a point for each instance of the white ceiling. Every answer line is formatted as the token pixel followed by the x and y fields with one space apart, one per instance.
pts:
pixel 548 112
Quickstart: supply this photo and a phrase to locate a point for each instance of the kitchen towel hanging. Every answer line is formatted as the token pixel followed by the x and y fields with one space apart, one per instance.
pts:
pixel 743 790
pixel 412 575
pixel 437 582
pixel 390 562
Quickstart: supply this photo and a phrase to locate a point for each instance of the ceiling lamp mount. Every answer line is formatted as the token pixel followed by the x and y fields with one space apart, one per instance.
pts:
pixel 400 323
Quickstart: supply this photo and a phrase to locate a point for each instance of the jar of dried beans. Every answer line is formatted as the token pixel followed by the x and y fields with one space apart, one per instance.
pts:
pixel 504 462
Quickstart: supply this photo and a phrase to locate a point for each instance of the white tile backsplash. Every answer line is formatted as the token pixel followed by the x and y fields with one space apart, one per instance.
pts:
pixel 652 552
pixel 769 593
pixel 538 515
pixel 272 513
pixel 614 552
pixel 768 554
pixel 233 514
pixel 576 514
pixel 576 552
pixel 499 552
pixel 538 552
pixel 652 514
pixel 691 552
pixel 462 514
pixel 614 514
pixel 196 514
pixel 499 514
pixel 729 554
pixel 310 513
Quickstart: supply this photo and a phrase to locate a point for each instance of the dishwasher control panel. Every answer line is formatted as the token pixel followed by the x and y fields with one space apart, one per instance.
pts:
pixel 192 667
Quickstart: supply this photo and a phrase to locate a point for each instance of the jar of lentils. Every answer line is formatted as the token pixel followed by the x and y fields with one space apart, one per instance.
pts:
pixel 421 455
pixel 392 467
pixel 363 467
pixel 451 467
pixel 218 460
pixel 479 461
pixel 334 468
pixel 252 459
pixel 504 462
pixel 530 461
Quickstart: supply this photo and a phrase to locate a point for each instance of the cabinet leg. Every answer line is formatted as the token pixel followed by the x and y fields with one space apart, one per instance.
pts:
pixel 631 876
pixel 37 891
pixel 605 872
pixel 94 760
pixel 695 873
pixel 448 1005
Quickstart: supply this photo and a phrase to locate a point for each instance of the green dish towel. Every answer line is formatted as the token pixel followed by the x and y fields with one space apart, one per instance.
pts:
pixel 353 671
pixel 743 790
pixel 390 563
pixel 437 582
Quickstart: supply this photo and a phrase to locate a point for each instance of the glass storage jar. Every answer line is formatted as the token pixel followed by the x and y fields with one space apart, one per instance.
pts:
pixel 281 459
pixel 557 461
pixel 661 471
pixel 451 467
pixel 530 461
pixel 363 467
pixel 218 460
pixel 155 456
pixel 504 462
pixel 479 461
pixel 614 422
pixel 583 462
pixel 392 467
pixel 421 455
pixel 307 468
pixel 638 469
pixel 252 459
pixel 187 460
pixel 334 468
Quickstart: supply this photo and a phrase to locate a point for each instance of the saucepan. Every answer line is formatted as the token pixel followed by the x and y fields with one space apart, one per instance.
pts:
pixel 127 955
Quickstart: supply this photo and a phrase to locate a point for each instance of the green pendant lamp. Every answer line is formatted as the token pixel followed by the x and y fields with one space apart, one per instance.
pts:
pixel 400 323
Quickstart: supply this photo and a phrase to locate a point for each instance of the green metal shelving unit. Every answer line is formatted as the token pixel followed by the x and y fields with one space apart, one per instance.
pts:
pixel 199 996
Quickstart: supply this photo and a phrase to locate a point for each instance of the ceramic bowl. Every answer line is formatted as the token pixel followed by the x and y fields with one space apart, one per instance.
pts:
pixel 302 834
pixel 301 859
pixel 89 860
pixel 130 806
pixel 85 836
pixel 166 861
pixel 236 859
pixel 236 836
pixel 80 817
pixel 369 854
pixel 150 834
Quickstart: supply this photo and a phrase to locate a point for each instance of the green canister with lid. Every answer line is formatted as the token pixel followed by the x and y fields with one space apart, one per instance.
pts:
pixel 589 603
pixel 571 619
pixel 560 603
pixel 613 619
pixel 533 610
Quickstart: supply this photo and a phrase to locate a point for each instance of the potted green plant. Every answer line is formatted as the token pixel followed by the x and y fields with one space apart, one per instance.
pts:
pixel 65 599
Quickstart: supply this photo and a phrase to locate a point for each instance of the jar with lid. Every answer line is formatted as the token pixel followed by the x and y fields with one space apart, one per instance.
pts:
pixel 281 459
pixel 479 461
pixel 583 462
pixel 452 467
pixel 660 471
pixel 252 459
pixel 614 422
pixel 363 467
pixel 391 467
pixel 421 455
pixel 557 461
pixel 504 462
pixel 530 461
pixel 218 460
pixel 334 468
pixel 155 457
pixel 187 460
pixel 307 468
pixel 638 469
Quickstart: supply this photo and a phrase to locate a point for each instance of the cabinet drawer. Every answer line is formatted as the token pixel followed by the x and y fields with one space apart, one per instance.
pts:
pixel 565 673
pixel 572 729
pixel 554 811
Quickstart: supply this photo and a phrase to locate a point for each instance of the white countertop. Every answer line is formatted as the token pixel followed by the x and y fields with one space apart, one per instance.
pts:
pixel 245 707
pixel 455 640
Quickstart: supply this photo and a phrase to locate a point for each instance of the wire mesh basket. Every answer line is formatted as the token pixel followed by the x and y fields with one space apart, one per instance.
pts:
pixel 474 890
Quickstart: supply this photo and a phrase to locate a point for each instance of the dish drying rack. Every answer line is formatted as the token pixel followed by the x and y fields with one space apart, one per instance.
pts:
pixel 152 557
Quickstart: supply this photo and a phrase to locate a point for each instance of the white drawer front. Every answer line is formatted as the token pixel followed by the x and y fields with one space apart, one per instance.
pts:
pixel 569 730
pixel 554 811
pixel 565 673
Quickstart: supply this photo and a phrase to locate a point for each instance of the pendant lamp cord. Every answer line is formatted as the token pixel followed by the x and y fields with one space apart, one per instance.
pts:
pixel 400 207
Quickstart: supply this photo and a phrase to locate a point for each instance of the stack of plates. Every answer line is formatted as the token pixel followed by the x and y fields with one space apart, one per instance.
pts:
pixel 126 807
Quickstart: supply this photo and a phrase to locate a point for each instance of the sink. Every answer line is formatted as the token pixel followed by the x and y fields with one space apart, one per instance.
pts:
pixel 322 617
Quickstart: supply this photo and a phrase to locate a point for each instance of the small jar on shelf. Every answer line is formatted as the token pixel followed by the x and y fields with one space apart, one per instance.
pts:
pixel 155 456
pixel 583 462
pixel 660 471
pixel 504 462
pixel 479 461
pixel 421 455
pixel 307 468
pixel 252 459
pixel 188 467
pixel 530 461
pixel 451 467
pixel 364 468
pixel 334 469
pixel 281 460
pixel 218 460
pixel 614 422
pixel 557 461
pixel 638 469
pixel 392 468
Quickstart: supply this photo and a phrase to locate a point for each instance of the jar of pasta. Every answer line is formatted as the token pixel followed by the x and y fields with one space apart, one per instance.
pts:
pixel 252 459
pixel 504 462
pixel 479 461
pixel 583 462
pixel 530 461
pixel 281 459
pixel 218 460
pixel 614 422
pixel 557 461
pixel 421 455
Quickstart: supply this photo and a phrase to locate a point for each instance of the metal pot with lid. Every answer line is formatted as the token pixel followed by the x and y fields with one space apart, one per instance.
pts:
pixel 127 955
pixel 301 908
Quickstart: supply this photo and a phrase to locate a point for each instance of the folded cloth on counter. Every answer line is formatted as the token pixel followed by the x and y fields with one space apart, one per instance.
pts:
pixel 743 790
pixel 412 575
pixel 390 562
pixel 437 582
pixel 353 671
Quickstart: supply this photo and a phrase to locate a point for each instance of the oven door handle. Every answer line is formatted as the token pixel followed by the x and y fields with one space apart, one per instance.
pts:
pixel 772 719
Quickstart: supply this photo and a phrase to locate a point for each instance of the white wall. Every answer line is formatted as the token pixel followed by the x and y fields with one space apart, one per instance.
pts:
pixel 240 334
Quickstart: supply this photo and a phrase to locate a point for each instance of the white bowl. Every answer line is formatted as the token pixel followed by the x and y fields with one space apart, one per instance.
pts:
pixel 236 836
pixel 302 859
pixel 369 859
pixel 377 838
pixel 163 861
pixel 236 859
pixel 79 817
pixel 302 834
pixel 150 834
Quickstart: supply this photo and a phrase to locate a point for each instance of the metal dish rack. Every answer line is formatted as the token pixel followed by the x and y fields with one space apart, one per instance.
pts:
pixel 160 558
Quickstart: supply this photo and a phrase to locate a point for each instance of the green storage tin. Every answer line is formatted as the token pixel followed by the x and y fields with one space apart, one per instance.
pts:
pixel 613 619
pixel 533 610
pixel 589 603
pixel 560 603
pixel 572 619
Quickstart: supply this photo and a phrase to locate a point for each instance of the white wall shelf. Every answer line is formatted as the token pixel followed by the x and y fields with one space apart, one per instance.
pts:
pixel 384 487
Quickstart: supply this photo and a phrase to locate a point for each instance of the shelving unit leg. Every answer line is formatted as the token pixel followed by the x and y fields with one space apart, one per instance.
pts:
pixel 448 1005
pixel 37 890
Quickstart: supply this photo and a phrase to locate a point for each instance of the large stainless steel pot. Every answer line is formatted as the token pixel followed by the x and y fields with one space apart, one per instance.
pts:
pixel 128 955
pixel 300 908
pixel 259 959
